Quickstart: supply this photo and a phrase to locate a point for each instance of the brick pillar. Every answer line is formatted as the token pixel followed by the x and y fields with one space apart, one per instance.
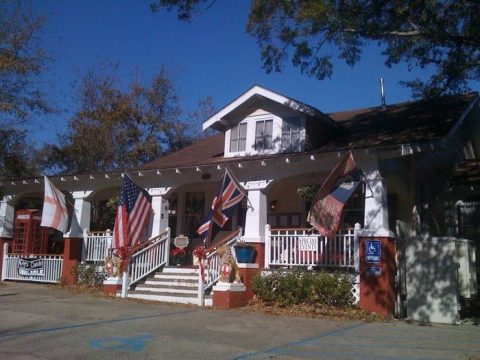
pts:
pixel 247 272
pixel 377 274
pixel 259 257
pixel 3 241
pixel 72 255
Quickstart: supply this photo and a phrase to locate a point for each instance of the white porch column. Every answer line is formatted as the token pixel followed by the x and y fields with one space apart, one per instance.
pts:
pixel 376 207
pixel 256 217
pixel 7 214
pixel 160 207
pixel 81 215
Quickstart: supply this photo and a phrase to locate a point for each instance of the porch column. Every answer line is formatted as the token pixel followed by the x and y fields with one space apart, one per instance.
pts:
pixel 256 218
pixel 160 205
pixel 81 215
pixel 376 207
pixel 6 218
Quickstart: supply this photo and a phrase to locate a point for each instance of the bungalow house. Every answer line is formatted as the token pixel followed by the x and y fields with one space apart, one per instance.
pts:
pixel 420 196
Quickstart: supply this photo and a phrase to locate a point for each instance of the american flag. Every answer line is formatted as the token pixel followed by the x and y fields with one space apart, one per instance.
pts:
pixel 327 207
pixel 54 214
pixel 133 213
pixel 229 194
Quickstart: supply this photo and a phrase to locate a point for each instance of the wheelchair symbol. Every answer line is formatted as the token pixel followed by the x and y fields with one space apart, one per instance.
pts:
pixel 372 249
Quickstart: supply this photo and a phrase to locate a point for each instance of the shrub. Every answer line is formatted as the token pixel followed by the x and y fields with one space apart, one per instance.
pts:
pixel 87 275
pixel 304 287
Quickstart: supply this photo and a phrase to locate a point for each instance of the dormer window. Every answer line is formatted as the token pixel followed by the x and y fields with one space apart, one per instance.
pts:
pixel 291 133
pixel 263 135
pixel 238 138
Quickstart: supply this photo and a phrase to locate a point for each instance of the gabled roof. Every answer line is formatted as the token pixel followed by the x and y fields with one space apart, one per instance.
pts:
pixel 248 98
pixel 404 123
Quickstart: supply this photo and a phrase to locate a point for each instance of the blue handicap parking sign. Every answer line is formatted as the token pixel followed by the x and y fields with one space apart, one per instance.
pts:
pixel 373 251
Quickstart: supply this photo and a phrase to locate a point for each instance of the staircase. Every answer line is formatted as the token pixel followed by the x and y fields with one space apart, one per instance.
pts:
pixel 172 285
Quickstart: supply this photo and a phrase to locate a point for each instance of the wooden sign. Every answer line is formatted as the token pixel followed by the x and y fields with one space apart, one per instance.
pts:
pixel 307 243
pixel 181 241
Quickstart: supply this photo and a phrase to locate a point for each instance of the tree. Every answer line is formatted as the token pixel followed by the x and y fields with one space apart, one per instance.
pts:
pixel 21 61
pixel 442 36
pixel 117 129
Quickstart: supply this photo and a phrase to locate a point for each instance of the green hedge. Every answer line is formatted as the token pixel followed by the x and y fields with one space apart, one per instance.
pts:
pixel 304 287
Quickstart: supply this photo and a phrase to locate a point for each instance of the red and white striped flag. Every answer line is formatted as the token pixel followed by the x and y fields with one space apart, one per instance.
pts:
pixel 133 213
pixel 55 213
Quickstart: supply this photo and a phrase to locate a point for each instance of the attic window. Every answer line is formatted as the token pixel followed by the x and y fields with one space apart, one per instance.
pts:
pixel 238 137
pixel 469 152
pixel 291 130
pixel 263 135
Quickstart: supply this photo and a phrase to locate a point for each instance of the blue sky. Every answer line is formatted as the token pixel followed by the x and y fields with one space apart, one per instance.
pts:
pixel 210 56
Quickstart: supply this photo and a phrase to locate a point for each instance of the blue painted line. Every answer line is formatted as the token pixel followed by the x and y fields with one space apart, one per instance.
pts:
pixel 74 326
pixel 133 344
pixel 279 349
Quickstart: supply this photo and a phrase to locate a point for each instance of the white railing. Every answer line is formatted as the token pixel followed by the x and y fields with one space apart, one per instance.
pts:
pixel 212 266
pixel 302 247
pixel 37 268
pixel 96 245
pixel 153 255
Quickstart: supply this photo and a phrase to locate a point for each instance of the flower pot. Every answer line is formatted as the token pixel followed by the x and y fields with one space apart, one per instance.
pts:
pixel 244 254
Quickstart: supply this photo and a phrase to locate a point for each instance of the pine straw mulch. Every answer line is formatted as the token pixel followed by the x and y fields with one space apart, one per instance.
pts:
pixel 316 311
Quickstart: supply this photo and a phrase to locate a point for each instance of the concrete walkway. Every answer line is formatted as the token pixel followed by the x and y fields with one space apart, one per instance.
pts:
pixel 42 322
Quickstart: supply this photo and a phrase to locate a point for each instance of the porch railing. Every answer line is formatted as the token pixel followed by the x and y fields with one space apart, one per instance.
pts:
pixel 151 256
pixel 301 247
pixel 212 266
pixel 96 245
pixel 38 268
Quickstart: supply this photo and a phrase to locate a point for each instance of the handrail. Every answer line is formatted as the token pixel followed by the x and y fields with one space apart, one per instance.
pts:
pixel 148 257
pixel 211 271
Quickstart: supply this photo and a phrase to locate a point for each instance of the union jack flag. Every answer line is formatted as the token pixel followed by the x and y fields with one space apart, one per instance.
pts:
pixel 133 213
pixel 229 194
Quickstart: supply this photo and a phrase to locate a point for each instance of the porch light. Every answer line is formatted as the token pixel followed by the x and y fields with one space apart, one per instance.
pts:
pixel 159 172
pixel 273 205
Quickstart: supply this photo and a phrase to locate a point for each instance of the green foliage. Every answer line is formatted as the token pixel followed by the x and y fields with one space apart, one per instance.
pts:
pixel 87 275
pixel 22 60
pixel 442 37
pixel 308 192
pixel 116 128
pixel 304 287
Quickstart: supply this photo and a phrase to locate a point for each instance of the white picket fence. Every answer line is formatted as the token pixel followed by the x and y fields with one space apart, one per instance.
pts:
pixel 212 267
pixel 96 245
pixel 301 247
pixel 37 268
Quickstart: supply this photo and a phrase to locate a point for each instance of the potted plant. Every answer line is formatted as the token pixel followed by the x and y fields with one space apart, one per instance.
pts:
pixel 244 252
pixel 178 256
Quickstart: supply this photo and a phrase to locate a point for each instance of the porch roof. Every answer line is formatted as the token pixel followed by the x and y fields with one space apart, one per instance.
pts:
pixel 395 125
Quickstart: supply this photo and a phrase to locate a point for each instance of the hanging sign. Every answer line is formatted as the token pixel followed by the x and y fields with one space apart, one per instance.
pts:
pixel 181 241
pixel 30 267
pixel 373 251
pixel 307 243
pixel 373 270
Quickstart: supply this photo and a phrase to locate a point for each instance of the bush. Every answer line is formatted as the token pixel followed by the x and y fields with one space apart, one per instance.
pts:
pixel 87 275
pixel 304 287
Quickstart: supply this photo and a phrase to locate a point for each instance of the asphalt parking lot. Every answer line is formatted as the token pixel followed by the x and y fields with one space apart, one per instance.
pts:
pixel 45 322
